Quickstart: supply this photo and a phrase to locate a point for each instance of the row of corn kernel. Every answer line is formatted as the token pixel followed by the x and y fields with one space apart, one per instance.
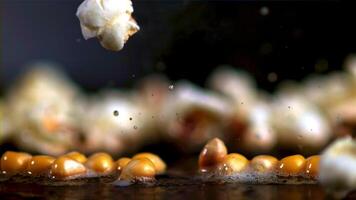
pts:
pixel 75 165
pixel 214 157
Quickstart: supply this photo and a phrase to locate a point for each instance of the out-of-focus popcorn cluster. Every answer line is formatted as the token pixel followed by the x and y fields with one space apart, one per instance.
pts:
pixel 45 112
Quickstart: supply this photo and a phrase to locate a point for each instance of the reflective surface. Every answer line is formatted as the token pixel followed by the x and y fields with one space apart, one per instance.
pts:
pixel 189 191
pixel 179 183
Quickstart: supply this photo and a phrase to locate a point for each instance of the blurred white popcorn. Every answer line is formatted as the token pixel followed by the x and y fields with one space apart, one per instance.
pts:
pixel 126 131
pixel 299 123
pixel 43 110
pixel 239 86
pixel 108 20
pixel 337 167
pixel 327 91
pixel 191 115
pixel 259 136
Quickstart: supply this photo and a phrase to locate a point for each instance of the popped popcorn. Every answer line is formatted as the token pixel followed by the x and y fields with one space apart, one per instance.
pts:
pixel 337 167
pixel 108 20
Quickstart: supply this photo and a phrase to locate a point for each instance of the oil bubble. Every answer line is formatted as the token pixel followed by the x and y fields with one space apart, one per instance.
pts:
pixel 116 113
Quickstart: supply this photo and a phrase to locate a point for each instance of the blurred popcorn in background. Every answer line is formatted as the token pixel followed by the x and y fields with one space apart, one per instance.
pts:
pixel 43 111
pixel 192 116
pixel 47 113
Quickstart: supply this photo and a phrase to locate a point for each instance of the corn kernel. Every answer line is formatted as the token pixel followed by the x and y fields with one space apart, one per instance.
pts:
pixel 122 162
pixel 64 167
pixel 76 156
pixel 14 162
pixel 291 165
pixel 138 168
pixel 264 163
pixel 213 153
pixel 159 164
pixel 312 166
pixel 101 163
pixel 39 164
pixel 235 162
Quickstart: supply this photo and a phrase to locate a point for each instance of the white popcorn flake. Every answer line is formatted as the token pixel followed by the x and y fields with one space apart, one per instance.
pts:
pixel 337 167
pixel 108 20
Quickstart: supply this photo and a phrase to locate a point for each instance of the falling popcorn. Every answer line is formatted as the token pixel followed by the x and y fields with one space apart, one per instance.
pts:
pixel 108 20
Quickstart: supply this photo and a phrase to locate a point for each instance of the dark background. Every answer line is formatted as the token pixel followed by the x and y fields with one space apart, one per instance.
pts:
pixel 183 39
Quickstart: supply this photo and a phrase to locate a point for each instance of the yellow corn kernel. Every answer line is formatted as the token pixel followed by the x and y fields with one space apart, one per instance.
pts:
pixel 64 167
pixel 291 165
pixel 76 156
pixel 39 164
pixel 122 162
pixel 264 163
pixel 213 154
pixel 159 164
pixel 138 168
pixel 101 163
pixel 14 162
pixel 312 166
pixel 235 162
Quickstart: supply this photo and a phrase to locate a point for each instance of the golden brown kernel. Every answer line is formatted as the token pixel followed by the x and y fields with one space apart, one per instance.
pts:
pixel 159 164
pixel 122 162
pixel 291 165
pixel 235 162
pixel 312 165
pixel 76 156
pixel 14 162
pixel 138 168
pixel 64 167
pixel 39 164
pixel 264 163
pixel 101 163
pixel 213 153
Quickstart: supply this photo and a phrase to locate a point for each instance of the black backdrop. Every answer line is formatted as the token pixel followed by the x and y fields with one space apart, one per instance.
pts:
pixel 185 39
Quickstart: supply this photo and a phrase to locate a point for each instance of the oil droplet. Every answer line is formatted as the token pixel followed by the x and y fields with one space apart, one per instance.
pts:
pixel 272 77
pixel 135 127
pixel 116 113
pixel 171 87
pixel 264 11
